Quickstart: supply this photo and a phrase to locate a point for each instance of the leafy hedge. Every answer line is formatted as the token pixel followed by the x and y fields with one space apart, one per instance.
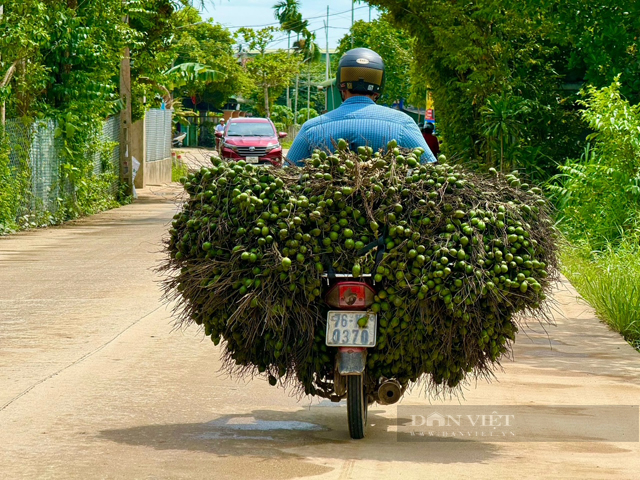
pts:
pixel 13 188
pixel 504 74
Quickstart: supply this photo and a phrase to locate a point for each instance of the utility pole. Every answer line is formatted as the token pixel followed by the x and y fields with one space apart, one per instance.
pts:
pixel 126 170
pixel 3 107
pixel 328 62
pixel 353 2
pixel 308 87
pixel 288 53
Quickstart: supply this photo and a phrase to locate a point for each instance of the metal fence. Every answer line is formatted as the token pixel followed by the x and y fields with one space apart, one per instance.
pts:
pixel 158 134
pixel 111 134
pixel 19 136
pixel 35 147
pixel 45 167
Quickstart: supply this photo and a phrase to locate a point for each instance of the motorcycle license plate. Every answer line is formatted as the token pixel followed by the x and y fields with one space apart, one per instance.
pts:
pixel 343 329
pixel 252 159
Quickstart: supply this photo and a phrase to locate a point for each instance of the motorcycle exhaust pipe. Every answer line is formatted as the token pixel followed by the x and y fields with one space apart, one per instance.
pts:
pixel 389 392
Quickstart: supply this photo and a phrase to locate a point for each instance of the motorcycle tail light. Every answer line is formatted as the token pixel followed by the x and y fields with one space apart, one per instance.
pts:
pixel 350 295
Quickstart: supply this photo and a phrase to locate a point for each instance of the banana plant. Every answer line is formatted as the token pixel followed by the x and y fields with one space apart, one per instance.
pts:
pixel 189 72
pixel 181 75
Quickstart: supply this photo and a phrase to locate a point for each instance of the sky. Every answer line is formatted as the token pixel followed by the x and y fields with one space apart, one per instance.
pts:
pixel 234 14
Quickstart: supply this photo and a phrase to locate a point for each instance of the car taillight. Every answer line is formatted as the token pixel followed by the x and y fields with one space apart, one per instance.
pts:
pixel 350 295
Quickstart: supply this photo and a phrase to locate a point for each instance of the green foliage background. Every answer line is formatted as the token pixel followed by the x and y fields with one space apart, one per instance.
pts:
pixel 13 188
pixel 66 70
pixel 599 195
pixel 392 44
pixel 505 66
pixel 62 63
pixel 167 36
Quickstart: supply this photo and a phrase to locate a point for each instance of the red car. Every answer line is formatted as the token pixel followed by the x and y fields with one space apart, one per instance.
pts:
pixel 254 140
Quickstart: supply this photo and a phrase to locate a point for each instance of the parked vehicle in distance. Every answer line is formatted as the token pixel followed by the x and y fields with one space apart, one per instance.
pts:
pixel 254 140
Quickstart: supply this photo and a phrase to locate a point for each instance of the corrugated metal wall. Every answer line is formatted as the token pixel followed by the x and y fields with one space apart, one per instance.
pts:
pixel 158 134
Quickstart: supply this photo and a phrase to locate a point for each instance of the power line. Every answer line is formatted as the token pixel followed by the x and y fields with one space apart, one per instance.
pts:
pixel 285 36
pixel 295 24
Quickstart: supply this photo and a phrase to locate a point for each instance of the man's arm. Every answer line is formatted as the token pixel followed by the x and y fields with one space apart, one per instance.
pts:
pixel 300 149
pixel 412 138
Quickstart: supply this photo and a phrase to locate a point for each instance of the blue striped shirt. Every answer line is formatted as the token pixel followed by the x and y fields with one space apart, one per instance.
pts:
pixel 361 123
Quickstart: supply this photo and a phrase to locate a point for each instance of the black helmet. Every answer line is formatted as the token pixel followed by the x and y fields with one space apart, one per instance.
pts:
pixel 361 70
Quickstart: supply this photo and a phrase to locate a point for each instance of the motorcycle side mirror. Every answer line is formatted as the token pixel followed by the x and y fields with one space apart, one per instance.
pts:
pixel 282 134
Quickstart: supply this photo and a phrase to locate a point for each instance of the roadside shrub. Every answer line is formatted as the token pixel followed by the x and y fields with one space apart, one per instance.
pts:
pixel 282 114
pixel 302 114
pixel 610 281
pixel 13 183
pixel 598 196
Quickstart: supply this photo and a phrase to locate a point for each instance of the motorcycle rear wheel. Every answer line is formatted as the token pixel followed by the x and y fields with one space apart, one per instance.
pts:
pixel 356 406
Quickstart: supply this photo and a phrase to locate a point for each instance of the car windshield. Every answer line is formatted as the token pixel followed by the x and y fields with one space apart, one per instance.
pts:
pixel 257 129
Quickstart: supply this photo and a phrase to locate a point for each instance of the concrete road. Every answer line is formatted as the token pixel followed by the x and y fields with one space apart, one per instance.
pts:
pixel 199 157
pixel 195 158
pixel 95 383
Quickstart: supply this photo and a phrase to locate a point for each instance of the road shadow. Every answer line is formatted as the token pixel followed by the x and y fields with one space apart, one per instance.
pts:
pixel 319 431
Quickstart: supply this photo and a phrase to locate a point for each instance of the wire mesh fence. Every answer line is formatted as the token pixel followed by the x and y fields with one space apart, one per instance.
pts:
pixel 35 149
pixel 111 163
pixel 46 184
pixel 19 136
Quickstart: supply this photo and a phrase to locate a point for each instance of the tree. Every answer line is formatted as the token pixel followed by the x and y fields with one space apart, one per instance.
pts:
pixel 186 39
pixel 306 113
pixel 302 45
pixel 392 44
pixel 82 42
pixel 470 52
pixel 287 12
pixel 270 72
pixel 601 39
pixel 190 76
pixel 310 53
pixel 282 114
pixel 58 61
pixel 22 28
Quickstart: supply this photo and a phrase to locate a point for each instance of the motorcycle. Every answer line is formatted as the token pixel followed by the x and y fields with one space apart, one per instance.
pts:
pixel 352 329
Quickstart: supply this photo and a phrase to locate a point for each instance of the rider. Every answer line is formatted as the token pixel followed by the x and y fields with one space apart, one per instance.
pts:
pixel 219 129
pixel 359 120
pixel 430 138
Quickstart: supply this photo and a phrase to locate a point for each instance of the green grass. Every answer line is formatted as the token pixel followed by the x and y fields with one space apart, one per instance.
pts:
pixel 178 169
pixel 286 143
pixel 610 282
